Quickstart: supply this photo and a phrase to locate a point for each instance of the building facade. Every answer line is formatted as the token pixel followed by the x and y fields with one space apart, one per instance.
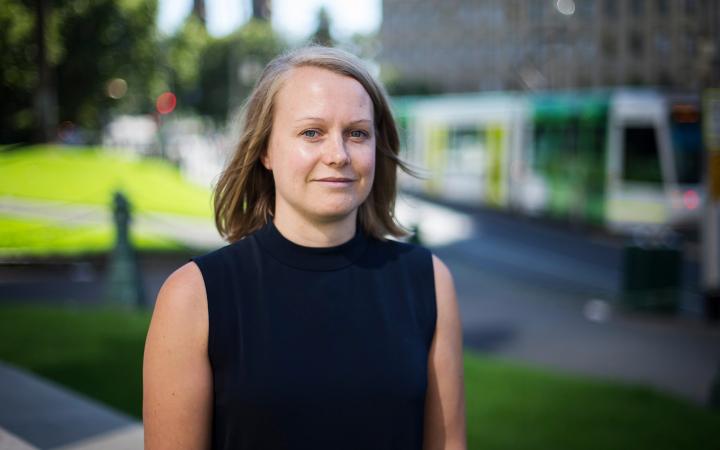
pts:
pixel 472 45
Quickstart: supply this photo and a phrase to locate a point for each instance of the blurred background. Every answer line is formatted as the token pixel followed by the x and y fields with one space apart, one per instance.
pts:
pixel 570 162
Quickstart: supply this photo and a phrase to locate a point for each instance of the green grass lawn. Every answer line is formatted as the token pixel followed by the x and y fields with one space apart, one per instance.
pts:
pixel 90 176
pixel 99 353
pixel 39 237
pixel 82 175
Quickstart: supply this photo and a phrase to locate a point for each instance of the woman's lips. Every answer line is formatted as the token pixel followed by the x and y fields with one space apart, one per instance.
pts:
pixel 335 181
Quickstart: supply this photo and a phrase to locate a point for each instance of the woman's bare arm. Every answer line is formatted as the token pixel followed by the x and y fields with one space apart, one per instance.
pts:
pixel 445 401
pixel 177 380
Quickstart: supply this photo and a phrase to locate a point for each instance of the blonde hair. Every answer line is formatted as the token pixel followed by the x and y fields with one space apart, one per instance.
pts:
pixel 244 196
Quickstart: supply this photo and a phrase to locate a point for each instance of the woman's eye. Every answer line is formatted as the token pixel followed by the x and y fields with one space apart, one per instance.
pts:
pixel 310 133
pixel 358 134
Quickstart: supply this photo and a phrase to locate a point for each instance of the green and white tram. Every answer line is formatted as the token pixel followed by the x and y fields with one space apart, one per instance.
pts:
pixel 621 158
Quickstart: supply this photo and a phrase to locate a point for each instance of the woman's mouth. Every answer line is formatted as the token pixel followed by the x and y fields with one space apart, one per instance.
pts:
pixel 335 179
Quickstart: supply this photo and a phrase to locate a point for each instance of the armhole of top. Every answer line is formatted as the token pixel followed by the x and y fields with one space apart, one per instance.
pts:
pixel 211 330
pixel 433 303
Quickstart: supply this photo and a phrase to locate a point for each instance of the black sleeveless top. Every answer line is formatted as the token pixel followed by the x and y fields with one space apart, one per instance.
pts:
pixel 318 348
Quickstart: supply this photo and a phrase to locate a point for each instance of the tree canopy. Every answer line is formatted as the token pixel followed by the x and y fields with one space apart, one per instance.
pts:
pixel 106 57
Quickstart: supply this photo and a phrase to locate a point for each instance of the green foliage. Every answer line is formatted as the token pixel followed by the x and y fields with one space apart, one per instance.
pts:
pixel 90 176
pixel 18 74
pixel 103 40
pixel 89 43
pixel 231 65
pixel 185 50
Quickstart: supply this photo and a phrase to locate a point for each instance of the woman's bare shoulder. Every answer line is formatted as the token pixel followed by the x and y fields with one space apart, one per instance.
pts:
pixel 177 378
pixel 187 279
pixel 182 302
pixel 444 284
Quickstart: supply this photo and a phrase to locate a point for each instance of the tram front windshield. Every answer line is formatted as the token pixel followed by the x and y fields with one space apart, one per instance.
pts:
pixel 641 163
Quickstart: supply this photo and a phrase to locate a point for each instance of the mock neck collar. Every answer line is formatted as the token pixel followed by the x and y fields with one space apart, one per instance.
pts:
pixel 311 258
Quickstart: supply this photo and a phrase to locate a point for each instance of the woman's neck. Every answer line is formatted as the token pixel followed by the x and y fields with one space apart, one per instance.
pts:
pixel 310 233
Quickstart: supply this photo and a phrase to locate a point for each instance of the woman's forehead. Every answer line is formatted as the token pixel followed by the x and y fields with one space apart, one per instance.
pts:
pixel 315 92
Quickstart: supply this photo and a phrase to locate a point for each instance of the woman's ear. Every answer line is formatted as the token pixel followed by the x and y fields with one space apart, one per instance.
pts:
pixel 265 160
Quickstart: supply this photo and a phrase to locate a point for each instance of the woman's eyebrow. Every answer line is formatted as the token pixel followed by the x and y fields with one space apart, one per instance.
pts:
pixel 360 122
pixel 310 119
pixel 320 119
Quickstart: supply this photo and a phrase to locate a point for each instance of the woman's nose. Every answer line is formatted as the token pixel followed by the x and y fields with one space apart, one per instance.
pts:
pixel 336 153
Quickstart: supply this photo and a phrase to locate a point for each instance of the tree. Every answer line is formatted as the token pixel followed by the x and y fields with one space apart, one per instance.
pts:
pixel 230 66
pixel 87 45
pixel 106 40
pixel 322 34
pixel 45 95
pixel 19 70
pixel 184 53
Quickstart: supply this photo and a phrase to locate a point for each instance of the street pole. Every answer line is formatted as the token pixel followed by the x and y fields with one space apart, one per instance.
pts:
pixel 711 217
pixel 124 285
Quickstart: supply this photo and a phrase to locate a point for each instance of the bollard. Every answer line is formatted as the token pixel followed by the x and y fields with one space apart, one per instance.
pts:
pixel 714 398
pixel 124 285
pixel 651 273
pixel 415 235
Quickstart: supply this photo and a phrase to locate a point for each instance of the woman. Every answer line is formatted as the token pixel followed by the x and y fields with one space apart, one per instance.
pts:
pixel 310 330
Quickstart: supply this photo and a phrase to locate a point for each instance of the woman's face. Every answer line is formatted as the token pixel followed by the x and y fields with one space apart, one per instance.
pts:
pixel 322 146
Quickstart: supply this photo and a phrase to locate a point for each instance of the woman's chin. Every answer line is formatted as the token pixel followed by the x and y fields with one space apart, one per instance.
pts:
pixel 336 213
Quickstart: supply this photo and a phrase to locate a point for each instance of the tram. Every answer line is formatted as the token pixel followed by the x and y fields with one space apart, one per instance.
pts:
pixel 621 159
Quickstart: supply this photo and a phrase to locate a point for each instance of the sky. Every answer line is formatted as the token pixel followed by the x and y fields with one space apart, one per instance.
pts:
pixel 295 19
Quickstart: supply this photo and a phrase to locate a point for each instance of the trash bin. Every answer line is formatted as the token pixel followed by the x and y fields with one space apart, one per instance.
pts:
pixel 652 273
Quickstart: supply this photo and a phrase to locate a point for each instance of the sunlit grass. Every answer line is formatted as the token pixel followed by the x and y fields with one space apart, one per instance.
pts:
pixel 99 353
pixel 91 175
pixel 39 237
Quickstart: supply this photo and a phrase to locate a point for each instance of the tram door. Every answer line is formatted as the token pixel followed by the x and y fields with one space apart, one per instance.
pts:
pixel 641 177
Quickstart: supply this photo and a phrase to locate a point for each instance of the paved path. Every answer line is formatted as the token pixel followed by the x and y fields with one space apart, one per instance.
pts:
pixel 195 232
pixel 36 413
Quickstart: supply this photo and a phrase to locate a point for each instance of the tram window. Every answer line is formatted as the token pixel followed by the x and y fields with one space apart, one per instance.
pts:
pixel 554 144
pixel 466 137
pixel 465 144
pixel 640 158
pixel 687 143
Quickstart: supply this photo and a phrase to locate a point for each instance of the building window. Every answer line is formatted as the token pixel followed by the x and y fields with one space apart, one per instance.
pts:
pixel 535 9
pixel 636 44
pixel 662 7
pixel 609 46
pixel 665 79
pixel 586 8
pixel 662 44
pixel 608 79
pixel 637 7
pixel 610 8
pixel 690 45
pixel 512 13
